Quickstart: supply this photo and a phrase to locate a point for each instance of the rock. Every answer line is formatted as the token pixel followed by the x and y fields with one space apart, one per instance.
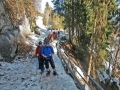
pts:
pixel 2 10
pixel 1 58
pixel 25 27
pixel 7 47
pixel 5 23
pixel 11 35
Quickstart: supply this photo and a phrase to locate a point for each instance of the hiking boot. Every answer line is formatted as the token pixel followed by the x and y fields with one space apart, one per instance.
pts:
pixel 48 73
pixel 55 73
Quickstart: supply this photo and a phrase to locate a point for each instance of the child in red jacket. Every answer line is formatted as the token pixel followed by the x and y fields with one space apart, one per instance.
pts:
pixel 40 57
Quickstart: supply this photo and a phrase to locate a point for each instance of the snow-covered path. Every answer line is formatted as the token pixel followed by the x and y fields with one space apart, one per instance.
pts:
pixel 23 74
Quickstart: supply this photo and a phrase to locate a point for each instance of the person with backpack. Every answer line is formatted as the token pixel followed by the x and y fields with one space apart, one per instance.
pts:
pixel 40 57
pixel 50 36
pixel 47 52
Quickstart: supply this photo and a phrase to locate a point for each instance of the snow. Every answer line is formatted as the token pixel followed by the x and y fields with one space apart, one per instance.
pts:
pixel 79 73
pixel 100 76
pixel 106 63
pixel 39 22
pixel 23 73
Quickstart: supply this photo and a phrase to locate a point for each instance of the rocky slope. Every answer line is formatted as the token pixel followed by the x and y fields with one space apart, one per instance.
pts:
pixel 11 33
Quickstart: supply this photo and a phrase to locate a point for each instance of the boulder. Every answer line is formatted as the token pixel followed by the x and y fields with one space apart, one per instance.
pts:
pixel 2 10
pixel 8 45
pixel 1 58
pixel 25 27
pixel 9 36
pixel 5 23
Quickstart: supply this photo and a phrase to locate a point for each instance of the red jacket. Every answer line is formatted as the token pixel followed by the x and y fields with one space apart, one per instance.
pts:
pixel 49 35
pixel 54 36
pixel 38 51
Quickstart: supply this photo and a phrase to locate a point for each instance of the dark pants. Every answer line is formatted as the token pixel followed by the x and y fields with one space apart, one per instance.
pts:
pixel 51 63
pixel 41 63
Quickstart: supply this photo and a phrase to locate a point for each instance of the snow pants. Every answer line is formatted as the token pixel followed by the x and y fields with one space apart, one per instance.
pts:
pixel 51 63
pixel 41 64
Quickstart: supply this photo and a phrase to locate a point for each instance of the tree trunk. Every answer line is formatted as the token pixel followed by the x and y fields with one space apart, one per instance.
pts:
pixel 69 23
pixel 72 19
pixel 91 52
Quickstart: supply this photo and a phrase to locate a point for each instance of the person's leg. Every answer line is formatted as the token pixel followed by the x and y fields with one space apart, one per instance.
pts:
pixel 52 63
pixel 47 67
pixel 42 64
pixel 53 66
pixel 39 63
pixel 46 64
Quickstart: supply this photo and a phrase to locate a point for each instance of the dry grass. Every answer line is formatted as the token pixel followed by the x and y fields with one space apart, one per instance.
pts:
pixel 23 49
pixel 17 9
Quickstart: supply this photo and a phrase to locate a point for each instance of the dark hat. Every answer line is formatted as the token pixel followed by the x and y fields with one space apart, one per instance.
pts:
pixel 46 42
pixel 40 42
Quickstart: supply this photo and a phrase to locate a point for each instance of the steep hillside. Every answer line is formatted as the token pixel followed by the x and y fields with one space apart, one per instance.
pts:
pixel 17 20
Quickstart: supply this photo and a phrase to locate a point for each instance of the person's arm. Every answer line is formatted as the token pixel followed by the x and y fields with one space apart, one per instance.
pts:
pixel 44 56
pixel 42 53
pixel 36 52
pixel 51 51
